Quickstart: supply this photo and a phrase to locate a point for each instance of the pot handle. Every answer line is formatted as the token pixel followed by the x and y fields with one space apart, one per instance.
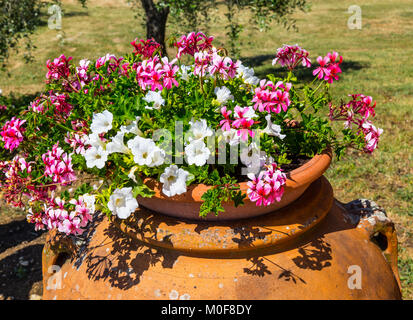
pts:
pixel 380 229
pixel 57 249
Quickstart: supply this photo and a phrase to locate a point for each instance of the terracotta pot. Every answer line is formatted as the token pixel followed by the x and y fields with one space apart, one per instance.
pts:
pixel 187 205
pixel 315 248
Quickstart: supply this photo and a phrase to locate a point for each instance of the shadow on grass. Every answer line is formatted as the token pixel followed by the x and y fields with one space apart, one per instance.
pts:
pixel 305 74
pixel 16 102
pixel 75 14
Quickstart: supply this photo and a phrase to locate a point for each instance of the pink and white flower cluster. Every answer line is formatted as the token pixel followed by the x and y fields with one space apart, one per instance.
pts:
pixel 78 139
pixel 156 73
pixel 272 98
pixel 268 187
pixel 212 63
pixel 371 136
pixel 61 108
pixel 58 165
pixel 58 68
pixel 242 121
pixel 291 56
pixel 357 112
pixel 193 43
pixel 12 133
pixel 16 177
pixel 329 67
pixel 68 218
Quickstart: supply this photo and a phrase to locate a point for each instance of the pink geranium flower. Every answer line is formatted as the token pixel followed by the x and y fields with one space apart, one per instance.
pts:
pixel 192 43
pixel 322 71
pixel 145 48
pixel 244 121
pixel 58 166
pixel 329 67
pixel 226 122
pixel 12 133
pixel 268 187
pixel 259 192
pixel 58 68
pixel 272 98
pixel 291 56
pixel 168 73
pixel 372 135
pixel 202 61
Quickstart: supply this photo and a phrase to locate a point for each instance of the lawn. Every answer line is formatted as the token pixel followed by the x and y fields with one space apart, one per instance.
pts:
pixel 378 62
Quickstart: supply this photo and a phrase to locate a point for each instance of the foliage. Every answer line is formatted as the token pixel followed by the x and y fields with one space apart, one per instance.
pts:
pixel 114 122
pixel 18 19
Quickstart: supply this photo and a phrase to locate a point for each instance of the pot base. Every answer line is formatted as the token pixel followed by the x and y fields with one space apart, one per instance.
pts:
pixel 303 251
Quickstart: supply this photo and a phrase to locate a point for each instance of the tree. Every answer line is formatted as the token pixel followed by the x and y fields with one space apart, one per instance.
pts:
pixel 18 20
pixel 190 14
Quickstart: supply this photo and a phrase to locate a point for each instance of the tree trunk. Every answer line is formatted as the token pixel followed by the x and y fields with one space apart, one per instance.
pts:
pixel 156 22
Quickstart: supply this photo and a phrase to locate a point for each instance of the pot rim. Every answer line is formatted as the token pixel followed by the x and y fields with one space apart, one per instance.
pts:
pixel 305 174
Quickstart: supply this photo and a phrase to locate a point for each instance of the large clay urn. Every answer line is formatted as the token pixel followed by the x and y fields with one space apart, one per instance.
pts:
pixel 313 247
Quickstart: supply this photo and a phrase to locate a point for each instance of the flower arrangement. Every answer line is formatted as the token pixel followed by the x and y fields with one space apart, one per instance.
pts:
pixel 101 128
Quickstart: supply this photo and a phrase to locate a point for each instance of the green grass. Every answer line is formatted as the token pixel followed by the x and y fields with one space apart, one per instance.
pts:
pixel 378 63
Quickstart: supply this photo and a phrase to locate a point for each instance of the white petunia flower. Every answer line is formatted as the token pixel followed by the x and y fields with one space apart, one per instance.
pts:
pixel 174 181
pixel 231 137
pixel 132 128
pixel 273 129
pixel 95 141
pixel 185 72
pixel 157 157
pixel 96 157
pixel 90 202
pixel 131 174
pixel 122 203
pixel 146 152
pixel 101 122
pixel 223 95
pixel 253 158
pixel 247 74
pixel 197 153
pixel 199 130
pixel 117 144
pixel 156 98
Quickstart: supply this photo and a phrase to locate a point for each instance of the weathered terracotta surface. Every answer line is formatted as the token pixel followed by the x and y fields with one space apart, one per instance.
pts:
pixel 302 251
pixel 187 205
